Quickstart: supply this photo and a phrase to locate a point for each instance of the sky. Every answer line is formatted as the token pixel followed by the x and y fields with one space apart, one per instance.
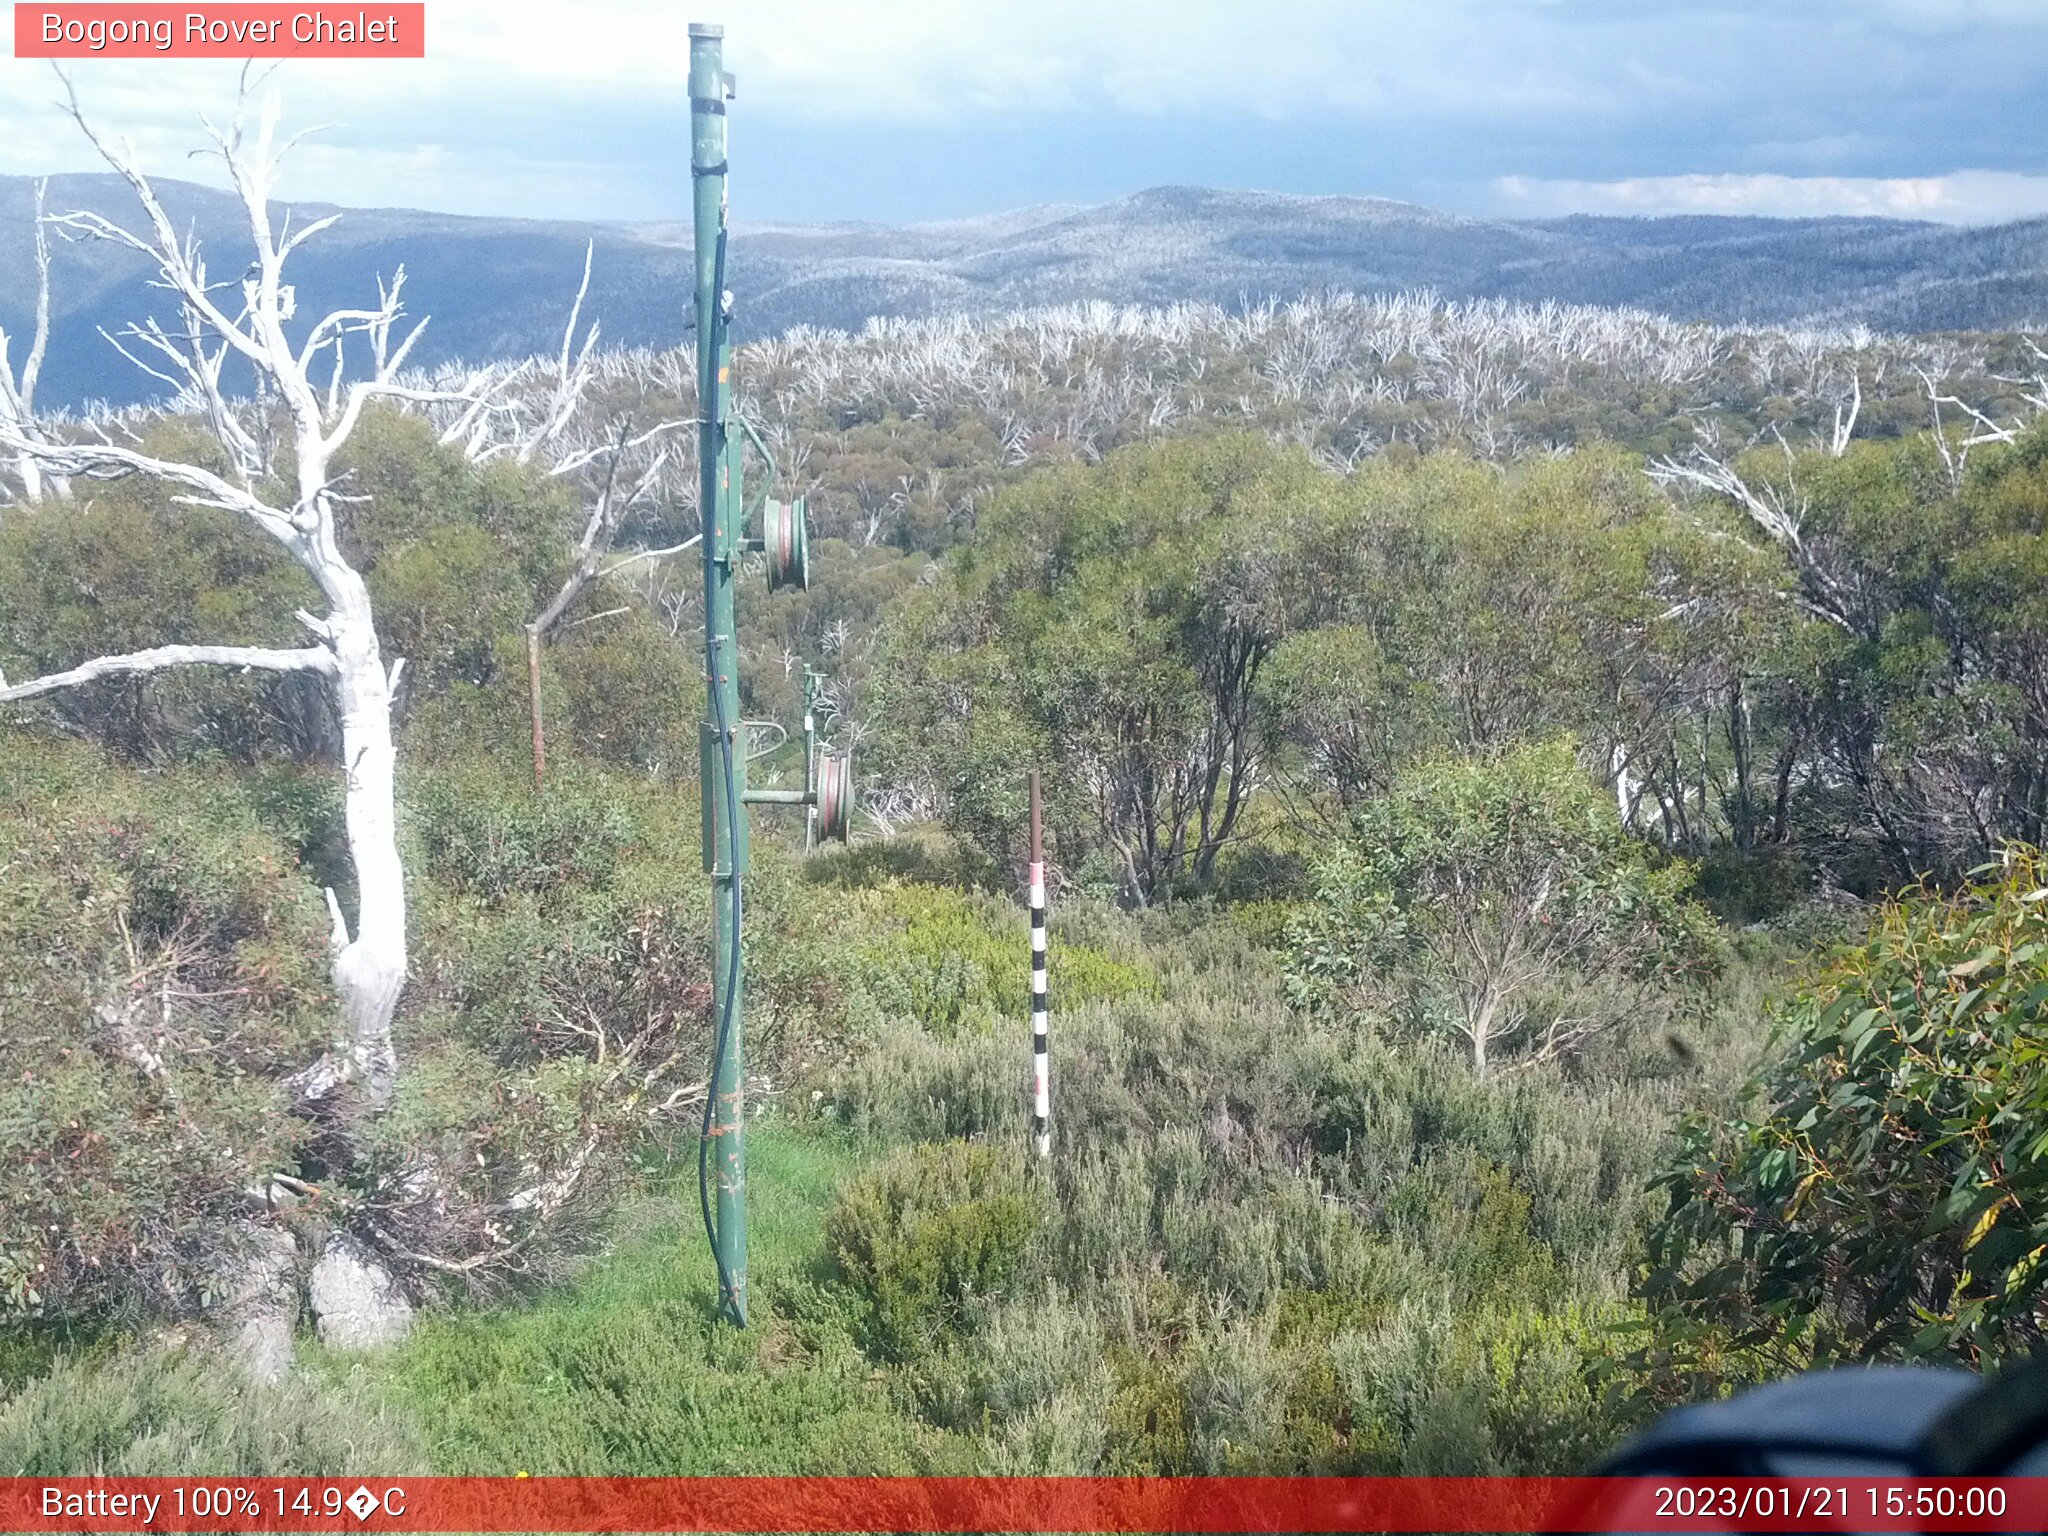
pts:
pixel 901 110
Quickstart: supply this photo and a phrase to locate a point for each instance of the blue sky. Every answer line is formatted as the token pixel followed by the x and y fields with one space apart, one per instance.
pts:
pixel 917 109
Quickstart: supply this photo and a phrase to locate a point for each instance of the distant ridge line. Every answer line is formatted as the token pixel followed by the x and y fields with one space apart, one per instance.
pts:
pixel 498 287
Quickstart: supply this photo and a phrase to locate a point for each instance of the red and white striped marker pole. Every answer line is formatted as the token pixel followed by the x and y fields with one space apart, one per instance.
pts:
pixel 1041 1061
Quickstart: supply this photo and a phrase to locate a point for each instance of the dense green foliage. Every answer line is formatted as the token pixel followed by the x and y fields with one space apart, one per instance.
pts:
pixel 1887 1193
pixel 171 1413
pixel 1915 703
pixel 1195 616
pixel 1498 900
pixel 1854 709
pixel 925 1235
pixel 1356 781
pixel 1112 625
pixel 160 970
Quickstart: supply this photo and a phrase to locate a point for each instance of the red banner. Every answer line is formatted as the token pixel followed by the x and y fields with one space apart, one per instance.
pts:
pixel 377 30
pixel 1119 1504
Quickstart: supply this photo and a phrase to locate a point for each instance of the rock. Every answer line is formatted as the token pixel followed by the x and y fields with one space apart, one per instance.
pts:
pixel 259 1305
pixel 356 1300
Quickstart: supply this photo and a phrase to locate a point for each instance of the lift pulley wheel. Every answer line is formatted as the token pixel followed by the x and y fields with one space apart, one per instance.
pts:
pixel 835 795
pixel 785 536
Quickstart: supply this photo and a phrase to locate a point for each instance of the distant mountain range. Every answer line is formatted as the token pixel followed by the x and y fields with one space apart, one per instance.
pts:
pixel 502 287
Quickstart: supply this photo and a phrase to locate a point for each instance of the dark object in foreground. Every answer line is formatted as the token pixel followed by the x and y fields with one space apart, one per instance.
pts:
pixel 1904 1421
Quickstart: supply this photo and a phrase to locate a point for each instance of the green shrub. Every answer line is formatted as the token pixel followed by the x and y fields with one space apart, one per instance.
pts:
pixel 162 967
pixel 482 832
pixel 1476 1224
pixel 915 856
pixel 129 570
pixel 558 1005
pixel 1754 885
pixel 1498 900
pixel 1264 922
pixel 166 1413
pixel 1570 1157
pixel 628 693
pixel 305 807
pixel 1237 1384
pixel 1887 1193
pixel 954 961
pixel 924 1233
pixel 1030 1379
pixel 906 1085
pixel 1440 1391
pixel 1147 1420
pixel 444 600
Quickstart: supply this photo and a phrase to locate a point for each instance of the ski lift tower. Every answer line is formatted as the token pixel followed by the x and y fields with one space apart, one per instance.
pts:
pixel 722 436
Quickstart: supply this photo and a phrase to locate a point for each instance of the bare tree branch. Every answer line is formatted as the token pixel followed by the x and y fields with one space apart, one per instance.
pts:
pixel 663 553
pixel 18 395
pixel 369 966
pixel 310 659
pixel 106 461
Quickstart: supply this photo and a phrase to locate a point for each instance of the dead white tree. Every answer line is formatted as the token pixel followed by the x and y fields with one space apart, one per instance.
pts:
pixel 249 330
pixel 1776 508
pixel 18 390
pixel 572 375
pixel 619 465
pixel 1954 447
pixel 610 507
pixel 1847 410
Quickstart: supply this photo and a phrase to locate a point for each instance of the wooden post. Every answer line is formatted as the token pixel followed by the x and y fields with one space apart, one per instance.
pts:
pixel 540 741
pixel 1041 1062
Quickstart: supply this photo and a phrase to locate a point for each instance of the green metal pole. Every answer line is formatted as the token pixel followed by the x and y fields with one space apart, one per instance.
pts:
pixel 723 757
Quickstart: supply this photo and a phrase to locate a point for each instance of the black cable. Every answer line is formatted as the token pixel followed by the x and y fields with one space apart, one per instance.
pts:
pixel 729 1008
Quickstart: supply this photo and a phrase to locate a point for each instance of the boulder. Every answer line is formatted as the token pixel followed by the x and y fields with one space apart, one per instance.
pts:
pixel 259 1300
pixel 357 1302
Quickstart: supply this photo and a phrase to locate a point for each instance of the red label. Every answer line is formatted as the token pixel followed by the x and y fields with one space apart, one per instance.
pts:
pixel 1191 1506
pixel 213 31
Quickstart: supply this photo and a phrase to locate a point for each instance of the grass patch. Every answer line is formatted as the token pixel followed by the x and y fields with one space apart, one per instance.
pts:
pixel 629 1372
pixel 164 1412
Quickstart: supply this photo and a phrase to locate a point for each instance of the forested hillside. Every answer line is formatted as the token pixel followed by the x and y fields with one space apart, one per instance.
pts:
pixel 494 286
pixel 1539 806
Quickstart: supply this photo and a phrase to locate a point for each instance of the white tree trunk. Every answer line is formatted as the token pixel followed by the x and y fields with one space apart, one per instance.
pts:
pixel 369 969
pixel 1479 1030
pixel 369 965
pixel 18 394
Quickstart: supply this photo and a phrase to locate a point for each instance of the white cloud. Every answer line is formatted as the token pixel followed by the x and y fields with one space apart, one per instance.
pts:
pixel 935 64
pixel 545 106
pixel 1962 197
pixel 1940 16
pixel 939 60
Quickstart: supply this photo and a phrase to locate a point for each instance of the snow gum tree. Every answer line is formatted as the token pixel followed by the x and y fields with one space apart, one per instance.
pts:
pixel 277 450
pixel 1497 900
